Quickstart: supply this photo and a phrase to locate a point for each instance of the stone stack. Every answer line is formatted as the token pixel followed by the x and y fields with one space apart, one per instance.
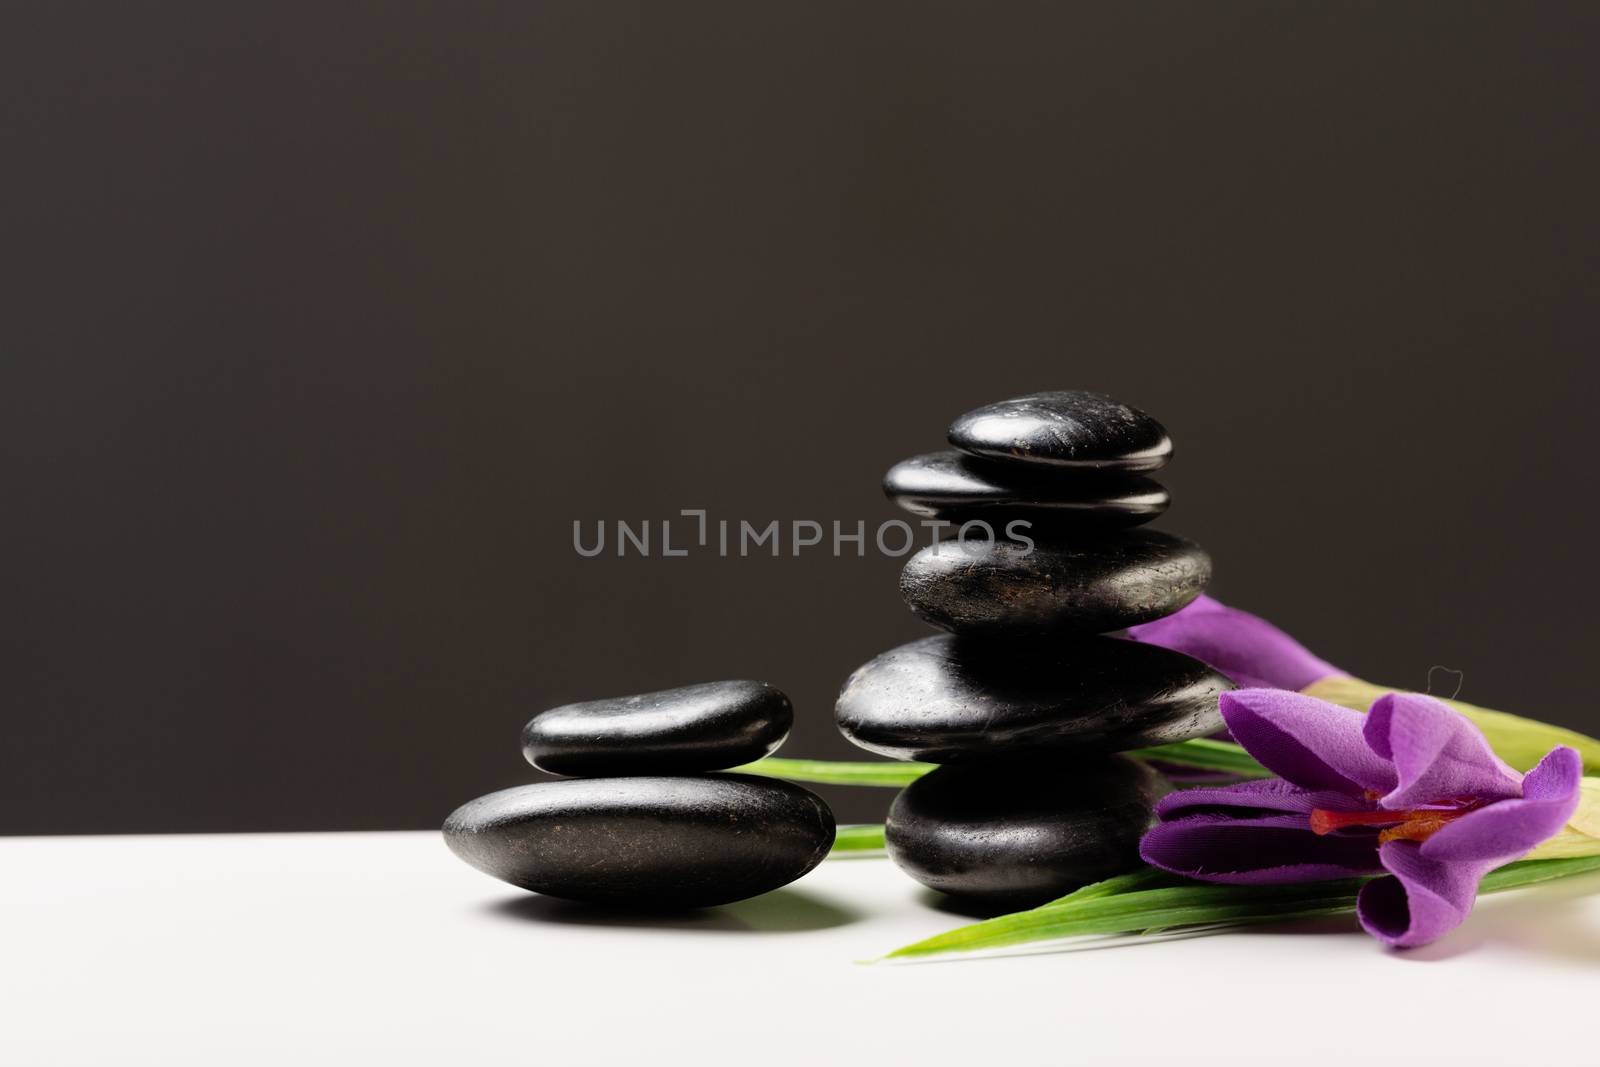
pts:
pixel 1023 701
pixel 648 824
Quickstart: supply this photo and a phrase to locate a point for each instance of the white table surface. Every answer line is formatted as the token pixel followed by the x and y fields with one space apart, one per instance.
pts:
pixel 381 947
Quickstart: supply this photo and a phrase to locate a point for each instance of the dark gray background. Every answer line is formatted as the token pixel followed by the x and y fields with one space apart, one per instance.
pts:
pixel 322 322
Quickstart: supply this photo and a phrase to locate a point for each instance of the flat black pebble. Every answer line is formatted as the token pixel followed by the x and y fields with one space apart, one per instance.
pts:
pixel 949 485
pixel 946 699
pixel 1085 584
pixel 708 727
pixel 1064 429
pixel 1022 834
pixel 645 842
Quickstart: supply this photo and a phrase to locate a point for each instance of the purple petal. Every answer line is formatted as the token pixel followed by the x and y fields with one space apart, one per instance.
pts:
pixel 1264 796
pixel 1246 648
pixel 1271 850
pixel 1508 829
pixel 1438 754
pixel 1309 742
pixel 1425 899
pixel 1559 776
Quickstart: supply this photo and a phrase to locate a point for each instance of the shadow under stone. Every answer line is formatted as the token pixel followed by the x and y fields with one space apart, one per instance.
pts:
pixel 780 911
pixel 973 907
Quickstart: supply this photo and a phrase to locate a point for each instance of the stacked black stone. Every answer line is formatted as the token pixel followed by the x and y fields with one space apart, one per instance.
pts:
pixel 649 825
pixel 1023 702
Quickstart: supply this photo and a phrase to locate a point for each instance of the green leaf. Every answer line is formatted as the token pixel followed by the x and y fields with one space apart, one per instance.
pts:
pixel 864 837
pixel 1531 872
pixel 1581 835
pixel 839 772
pixel 1194 904
pixel 1204 753
pixel 1143 878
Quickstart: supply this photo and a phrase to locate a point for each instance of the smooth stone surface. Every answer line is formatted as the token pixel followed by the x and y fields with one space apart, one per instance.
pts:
pixel 708 727
pixel 653 842
pixel 1064 429
pixel 1083 584
pixel 949 485
pixel 1025 833
pixel 947 699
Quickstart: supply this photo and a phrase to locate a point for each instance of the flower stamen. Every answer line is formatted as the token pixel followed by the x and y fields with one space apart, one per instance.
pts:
pixel 1415 824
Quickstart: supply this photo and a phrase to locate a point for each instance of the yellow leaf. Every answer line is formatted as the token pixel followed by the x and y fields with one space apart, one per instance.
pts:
pixel 1581 835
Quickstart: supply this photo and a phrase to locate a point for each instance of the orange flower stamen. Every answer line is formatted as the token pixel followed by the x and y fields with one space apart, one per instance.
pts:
pixel 1415 824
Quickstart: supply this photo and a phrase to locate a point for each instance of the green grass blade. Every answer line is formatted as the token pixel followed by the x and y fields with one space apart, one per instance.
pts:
pixel 865 837
pixel 1203 753
pixel 1186 905
pixel 893 774
pixel 1197 904
pixel 1143 878
pixel 1532 872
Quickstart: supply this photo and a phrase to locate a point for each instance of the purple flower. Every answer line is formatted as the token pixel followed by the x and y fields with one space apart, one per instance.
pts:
pixel 1245 647
pixel 1410 788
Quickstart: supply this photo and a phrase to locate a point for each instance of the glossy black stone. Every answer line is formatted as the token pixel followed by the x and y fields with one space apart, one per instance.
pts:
pixel 1064 429
pixel 1084 584
pixel 949 485
pixel 1022 834
pixel 645 842
pixel 948 699
pixel 707 727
